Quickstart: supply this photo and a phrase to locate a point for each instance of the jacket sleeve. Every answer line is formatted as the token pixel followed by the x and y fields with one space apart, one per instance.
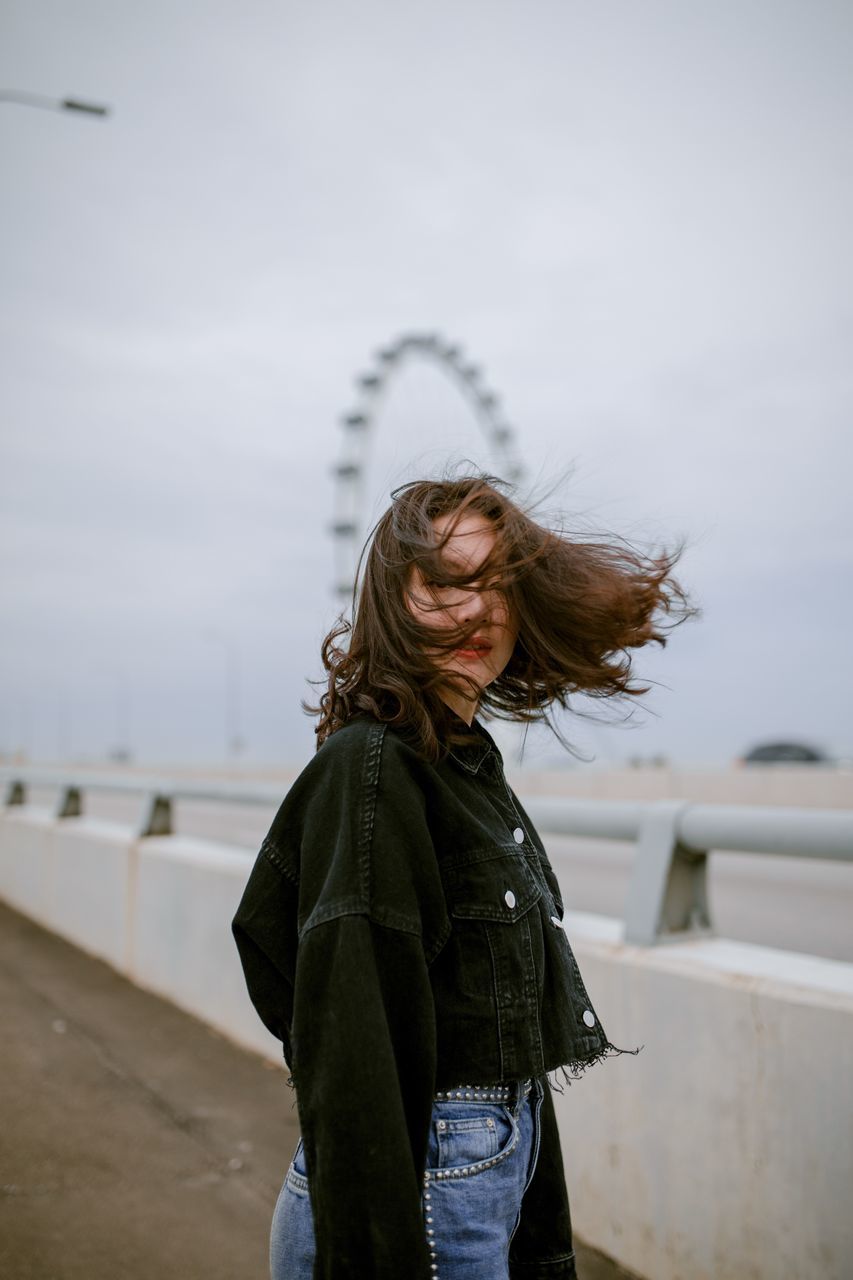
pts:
pixel 543 1237
pixel 264 930
pixel 364 1065
pixel 343 914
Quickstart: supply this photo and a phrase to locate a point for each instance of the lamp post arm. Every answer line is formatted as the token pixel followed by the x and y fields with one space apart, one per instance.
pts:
pixel 26 99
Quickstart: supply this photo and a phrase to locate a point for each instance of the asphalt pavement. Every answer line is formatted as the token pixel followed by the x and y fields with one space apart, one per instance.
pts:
pixel 135 1141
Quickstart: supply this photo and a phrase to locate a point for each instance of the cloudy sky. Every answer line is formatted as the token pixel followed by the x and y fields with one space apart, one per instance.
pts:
pixel 635 217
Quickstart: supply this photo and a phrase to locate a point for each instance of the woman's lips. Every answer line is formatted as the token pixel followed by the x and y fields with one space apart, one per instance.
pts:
pixel 481 651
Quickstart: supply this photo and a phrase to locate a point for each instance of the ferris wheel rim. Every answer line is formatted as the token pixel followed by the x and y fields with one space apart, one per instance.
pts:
pixel 347 526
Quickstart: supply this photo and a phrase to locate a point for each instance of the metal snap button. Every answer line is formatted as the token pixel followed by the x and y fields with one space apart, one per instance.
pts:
pixel 589 1018
pixel 518 835
pixel 509 899
pixel 555 920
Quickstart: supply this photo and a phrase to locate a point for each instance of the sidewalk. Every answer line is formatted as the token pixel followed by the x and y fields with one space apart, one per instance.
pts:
pixel 137 1142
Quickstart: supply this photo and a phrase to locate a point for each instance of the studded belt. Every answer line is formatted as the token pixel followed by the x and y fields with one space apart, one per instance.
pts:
pixel 485 1092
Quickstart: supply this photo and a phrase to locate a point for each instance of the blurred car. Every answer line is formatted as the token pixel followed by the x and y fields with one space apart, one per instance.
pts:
pixel 784 753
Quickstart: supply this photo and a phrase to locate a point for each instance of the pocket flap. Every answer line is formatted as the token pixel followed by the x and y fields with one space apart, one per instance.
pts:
pixel 501 888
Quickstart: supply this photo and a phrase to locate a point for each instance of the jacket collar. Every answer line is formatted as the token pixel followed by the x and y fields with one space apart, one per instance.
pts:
pixel 472 755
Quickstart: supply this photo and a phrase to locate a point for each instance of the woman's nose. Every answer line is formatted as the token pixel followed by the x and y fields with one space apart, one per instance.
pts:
pixel 470 607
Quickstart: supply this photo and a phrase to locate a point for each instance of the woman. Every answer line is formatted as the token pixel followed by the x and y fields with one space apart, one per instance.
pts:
pixel 401 929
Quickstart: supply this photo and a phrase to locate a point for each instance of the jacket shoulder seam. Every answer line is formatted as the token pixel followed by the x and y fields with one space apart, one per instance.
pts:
pixel 432 946
pixel 271 852
pixel 370 781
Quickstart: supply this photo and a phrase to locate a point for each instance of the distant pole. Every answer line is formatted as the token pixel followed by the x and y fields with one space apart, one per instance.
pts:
pixel 25 99
pixel 232 698
pixel 63 726
pixel 25 726
pixel 234 742
pixel 122 752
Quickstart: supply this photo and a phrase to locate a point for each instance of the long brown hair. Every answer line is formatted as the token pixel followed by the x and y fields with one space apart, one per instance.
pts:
pixel 581 605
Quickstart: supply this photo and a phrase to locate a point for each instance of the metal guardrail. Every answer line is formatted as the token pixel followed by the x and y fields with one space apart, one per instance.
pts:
pixel 667 897
pixel 159 791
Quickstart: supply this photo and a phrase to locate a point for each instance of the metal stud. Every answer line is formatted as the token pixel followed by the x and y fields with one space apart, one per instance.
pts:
pixel 481 1093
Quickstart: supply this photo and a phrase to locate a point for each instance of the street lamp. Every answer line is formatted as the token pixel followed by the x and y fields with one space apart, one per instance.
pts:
pixel 25 99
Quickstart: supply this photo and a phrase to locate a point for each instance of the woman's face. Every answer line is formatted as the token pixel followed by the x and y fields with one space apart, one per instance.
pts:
pixel 491 646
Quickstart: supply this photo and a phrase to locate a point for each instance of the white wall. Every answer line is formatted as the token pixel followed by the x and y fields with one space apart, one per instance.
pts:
pixel 723 1151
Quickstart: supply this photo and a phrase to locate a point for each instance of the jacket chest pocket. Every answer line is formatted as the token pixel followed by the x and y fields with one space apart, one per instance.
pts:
pixel 490 901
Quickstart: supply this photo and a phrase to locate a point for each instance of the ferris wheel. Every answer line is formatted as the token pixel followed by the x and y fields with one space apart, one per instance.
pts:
pixel 359 423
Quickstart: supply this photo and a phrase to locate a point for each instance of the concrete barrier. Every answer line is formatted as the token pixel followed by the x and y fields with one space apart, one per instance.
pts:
pixel 723 1151
pixel 186 895
pixel 26 854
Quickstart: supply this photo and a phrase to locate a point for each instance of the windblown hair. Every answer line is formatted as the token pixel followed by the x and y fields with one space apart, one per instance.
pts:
pixel 581 605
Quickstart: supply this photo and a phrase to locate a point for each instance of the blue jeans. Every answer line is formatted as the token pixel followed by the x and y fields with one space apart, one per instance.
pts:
pixel 480 1160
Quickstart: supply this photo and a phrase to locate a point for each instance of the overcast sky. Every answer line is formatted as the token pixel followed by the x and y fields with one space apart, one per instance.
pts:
pixel 635 217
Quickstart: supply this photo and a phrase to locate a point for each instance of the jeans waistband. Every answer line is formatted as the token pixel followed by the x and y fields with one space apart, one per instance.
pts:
pixel 511 1091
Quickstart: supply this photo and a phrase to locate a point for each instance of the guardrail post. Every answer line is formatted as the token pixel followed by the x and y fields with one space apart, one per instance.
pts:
pixel 667 894
pixel 71 803
pixel 16 793
pixel 157 817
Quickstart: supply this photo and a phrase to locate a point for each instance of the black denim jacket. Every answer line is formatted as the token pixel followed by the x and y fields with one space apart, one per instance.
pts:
pixel 400 933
